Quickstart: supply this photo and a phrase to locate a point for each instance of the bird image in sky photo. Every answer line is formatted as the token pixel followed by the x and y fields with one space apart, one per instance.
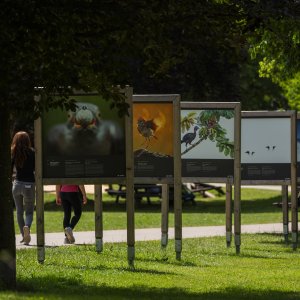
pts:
pixel 268 138
pixel 250 152
pixel 271 147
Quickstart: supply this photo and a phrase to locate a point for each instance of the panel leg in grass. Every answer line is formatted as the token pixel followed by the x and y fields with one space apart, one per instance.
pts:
pixel 294 209
pixel 178 220
pixel 285 212
pixel 228 211
pixel 130 223
pixel 40 227
pixel 98 218
pixel 164 215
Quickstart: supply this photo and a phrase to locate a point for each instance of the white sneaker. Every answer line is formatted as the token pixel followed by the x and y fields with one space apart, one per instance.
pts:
pixel 27 237
pixel 69 234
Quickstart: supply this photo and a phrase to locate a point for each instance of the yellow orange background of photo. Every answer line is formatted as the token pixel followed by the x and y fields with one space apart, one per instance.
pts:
pixel 162 115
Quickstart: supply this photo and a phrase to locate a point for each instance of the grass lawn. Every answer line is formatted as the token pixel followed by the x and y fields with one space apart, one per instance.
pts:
pixel 266 269
pixel 256 208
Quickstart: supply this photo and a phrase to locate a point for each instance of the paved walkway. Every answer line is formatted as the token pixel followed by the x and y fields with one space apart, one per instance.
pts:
pixel 117 236
pixel 90 188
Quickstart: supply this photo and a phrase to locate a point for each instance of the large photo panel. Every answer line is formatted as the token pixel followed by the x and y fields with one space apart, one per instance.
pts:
pixel 88 142
pixel 207 140
pixel 153 135
pixel 266 146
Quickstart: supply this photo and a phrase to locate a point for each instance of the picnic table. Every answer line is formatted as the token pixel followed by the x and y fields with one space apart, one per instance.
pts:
pixel 148 191
pixel 204 187
pixel 140 191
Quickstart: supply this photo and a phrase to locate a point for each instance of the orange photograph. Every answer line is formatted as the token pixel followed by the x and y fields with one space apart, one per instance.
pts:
pixel 153 128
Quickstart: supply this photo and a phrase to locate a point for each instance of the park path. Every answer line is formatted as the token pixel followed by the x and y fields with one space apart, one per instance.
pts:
pixel 90 188
pixel 148 234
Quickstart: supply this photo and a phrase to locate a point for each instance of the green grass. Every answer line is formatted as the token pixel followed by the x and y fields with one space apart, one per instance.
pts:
pixel 256 208
pixel 266 269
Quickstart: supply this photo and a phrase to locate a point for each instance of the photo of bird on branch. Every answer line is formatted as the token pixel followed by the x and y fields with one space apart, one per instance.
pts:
pixel 207 128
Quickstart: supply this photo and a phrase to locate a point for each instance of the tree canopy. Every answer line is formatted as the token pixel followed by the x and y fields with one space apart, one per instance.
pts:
pixel 275 42
pixel 199 49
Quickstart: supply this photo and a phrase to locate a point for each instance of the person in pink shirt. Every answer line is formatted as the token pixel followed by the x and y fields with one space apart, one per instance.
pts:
pixel 69 197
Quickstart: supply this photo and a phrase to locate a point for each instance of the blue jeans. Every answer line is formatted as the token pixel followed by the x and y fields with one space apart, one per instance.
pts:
pixel 24 197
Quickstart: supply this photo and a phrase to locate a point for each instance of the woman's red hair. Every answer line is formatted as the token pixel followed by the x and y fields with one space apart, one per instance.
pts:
pixel 19 148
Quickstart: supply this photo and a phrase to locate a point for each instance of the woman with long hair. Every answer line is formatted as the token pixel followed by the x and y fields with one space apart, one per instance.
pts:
pixel 23 189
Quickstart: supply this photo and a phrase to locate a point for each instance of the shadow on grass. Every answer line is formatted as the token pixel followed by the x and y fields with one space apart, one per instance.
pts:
pixel 119 269
pixel 280 241
pixel 164 260
pixel 54 287
pixel 204 205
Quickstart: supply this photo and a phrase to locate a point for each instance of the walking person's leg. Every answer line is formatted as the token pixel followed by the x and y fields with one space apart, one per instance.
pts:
pixel 67 206
pixel 18 199
pixel 77 206
pixel 29 200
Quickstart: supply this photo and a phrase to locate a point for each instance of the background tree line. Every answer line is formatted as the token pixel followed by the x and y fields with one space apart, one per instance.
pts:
pixel 211 50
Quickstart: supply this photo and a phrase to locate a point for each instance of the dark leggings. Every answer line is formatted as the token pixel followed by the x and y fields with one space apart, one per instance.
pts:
pixel 71 200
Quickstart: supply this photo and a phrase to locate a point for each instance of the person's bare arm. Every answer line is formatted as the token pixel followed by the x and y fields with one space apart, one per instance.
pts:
pixel 58 199
pixel 82 189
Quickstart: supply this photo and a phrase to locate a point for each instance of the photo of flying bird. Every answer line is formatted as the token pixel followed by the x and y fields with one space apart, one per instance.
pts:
pixel 189 137
pixel 270 148
pixel 146 128
pixel 250 153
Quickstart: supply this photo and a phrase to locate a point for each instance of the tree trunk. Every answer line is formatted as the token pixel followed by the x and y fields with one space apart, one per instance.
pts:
pixel 7 230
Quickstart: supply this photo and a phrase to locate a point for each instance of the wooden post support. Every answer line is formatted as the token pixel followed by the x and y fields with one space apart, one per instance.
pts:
pixel 294 200
pixel 129 179
pixel 40 231
pixel 164 215
pixel 98 218
pixel 237 178
pixel 177 180
pixel 285 212
pixel 228 211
